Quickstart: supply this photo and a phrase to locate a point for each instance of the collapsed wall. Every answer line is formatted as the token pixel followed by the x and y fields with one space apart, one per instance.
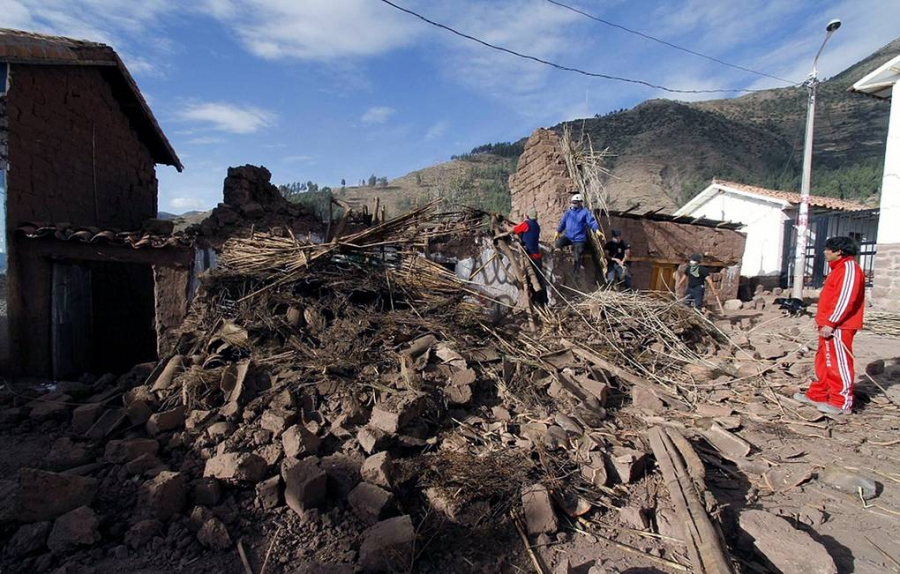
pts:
pixel 252 203
pixel 541 181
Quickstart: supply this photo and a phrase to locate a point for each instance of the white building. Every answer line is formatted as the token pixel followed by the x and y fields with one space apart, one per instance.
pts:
pixel 884 83
pixel 767 217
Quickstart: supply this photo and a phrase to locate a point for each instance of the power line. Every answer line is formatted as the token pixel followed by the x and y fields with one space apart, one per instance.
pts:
pixel 560 66
pixel 669 44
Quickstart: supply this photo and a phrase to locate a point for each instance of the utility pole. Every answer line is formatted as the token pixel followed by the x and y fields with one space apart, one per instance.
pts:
pixel 803 215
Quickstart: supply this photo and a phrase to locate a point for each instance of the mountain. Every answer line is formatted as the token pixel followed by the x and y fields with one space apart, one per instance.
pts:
pixel 667 151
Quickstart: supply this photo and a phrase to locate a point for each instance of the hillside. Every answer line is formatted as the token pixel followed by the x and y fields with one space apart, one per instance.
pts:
pixel 475 180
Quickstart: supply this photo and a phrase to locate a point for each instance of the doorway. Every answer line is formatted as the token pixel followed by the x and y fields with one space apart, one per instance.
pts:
pixel 102 317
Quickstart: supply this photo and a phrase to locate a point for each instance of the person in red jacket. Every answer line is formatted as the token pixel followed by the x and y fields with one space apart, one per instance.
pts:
pixel 839 317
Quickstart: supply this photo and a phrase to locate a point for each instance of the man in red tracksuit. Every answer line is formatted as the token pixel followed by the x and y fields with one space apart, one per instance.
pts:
pixel 839 317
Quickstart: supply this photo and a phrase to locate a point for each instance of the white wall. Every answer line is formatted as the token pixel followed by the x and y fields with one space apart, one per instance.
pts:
pixel 763 223
pixel 890 183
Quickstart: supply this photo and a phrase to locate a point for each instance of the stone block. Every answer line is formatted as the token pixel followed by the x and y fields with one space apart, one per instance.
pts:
pixel 78 527
pixel 33 502
pixel 378 469
pixel 239 466
pixel 305 483
pixel 370 503
pixel 163 496
pixel 388 546
pixel 540 517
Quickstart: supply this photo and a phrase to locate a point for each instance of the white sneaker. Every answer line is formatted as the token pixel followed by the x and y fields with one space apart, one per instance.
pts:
pixel 803 398
pixel 829 409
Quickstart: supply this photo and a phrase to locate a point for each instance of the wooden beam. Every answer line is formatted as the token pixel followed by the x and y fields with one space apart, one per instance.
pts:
pixel 704 540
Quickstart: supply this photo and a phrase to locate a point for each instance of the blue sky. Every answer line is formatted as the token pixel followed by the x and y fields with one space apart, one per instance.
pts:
pixel 328 89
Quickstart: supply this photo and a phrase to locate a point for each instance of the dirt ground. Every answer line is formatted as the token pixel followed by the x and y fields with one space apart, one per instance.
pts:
pixel 791 446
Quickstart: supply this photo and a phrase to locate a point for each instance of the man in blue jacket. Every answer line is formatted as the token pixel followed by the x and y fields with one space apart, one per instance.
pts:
pixel 575 223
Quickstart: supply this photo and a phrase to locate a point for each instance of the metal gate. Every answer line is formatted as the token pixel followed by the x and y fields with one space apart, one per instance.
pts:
pixel 860 225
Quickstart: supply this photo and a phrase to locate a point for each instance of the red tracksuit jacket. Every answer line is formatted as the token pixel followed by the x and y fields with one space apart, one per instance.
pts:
pixel 841 300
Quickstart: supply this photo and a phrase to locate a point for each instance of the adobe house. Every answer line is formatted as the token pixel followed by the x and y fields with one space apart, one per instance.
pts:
pixel 84 286
pixel 659 242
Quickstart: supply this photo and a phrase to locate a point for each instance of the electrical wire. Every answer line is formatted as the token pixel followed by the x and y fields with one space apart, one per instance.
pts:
pixel 562 67
pixel 670 44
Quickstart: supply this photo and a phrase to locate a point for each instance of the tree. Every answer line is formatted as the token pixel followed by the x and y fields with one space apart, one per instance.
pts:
pixel 372 180
pixel 343 182
pixel 383 181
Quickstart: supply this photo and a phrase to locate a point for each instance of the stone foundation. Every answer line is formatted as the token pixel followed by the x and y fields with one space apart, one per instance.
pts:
pixel 886 283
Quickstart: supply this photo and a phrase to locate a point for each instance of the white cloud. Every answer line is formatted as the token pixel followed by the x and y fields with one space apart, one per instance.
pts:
pixel 205 140
pixel 129 27
pixel 377 115
pixel 317 30
pixel 298 158
pixel 225 117
pixel 437 130
pixel 186 203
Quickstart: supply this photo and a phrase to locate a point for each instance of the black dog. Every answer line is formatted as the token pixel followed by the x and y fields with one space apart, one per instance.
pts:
pixel 793 306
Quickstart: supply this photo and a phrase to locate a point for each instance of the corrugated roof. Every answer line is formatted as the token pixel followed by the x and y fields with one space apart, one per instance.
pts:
pixel 134 239
pixel 791 197
pixel 29 48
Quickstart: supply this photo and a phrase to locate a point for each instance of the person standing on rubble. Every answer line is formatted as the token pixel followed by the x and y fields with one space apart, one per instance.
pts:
pixel 529 231
pixel 838 317
pixel 697 278
pixel 574 226
pixel 618 252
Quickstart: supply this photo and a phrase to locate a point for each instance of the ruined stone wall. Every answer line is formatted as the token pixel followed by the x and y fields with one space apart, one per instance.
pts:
pixel 253 203
pixel 73 155
pixel 541 181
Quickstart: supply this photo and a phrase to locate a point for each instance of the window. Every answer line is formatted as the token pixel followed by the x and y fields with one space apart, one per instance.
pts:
pixel 4 75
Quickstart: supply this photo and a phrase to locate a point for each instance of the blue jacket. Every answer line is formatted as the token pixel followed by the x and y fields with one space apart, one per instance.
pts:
pixel 575 221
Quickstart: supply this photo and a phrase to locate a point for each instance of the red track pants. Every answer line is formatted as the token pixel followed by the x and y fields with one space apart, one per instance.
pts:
pixel 834 370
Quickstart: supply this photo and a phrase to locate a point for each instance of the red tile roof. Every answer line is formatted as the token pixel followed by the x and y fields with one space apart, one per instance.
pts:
pixel 28 48
pixel 791 197
pixel 134 239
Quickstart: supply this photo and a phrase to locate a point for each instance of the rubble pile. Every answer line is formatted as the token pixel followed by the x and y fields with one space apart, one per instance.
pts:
pixel 341 399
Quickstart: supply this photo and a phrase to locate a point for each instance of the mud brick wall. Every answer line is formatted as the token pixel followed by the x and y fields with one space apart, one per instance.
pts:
pixel 541 181
pixel 886 283
pixel 73 152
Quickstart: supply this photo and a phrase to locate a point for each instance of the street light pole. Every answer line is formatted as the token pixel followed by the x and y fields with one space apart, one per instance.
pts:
pixel 803 216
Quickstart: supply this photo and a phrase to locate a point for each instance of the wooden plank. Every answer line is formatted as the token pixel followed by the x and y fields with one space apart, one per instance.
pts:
pixel 705 546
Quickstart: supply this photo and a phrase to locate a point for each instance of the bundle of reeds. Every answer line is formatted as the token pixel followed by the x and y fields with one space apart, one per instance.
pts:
pixel 585 166
pixel 883 323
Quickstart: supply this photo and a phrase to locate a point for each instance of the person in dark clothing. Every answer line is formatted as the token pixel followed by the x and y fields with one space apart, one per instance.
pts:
pixel 529 231
pixel 618 251
pixel 697 277
pixel 574 226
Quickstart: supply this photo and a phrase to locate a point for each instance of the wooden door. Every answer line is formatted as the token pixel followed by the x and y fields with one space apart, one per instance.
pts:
pixel 662 277
pixel 71 320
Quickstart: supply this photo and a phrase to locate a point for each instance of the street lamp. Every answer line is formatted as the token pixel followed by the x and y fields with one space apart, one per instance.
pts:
pixel 803 217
